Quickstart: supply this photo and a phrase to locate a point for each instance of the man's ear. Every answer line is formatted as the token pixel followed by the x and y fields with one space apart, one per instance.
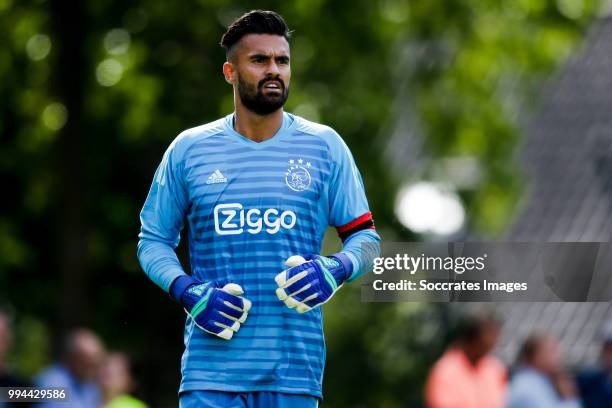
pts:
pixel 229 72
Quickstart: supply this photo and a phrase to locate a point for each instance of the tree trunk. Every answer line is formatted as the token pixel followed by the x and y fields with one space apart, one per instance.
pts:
pixel 69 77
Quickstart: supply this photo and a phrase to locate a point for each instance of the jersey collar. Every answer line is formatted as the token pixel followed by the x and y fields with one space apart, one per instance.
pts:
pixel 285 130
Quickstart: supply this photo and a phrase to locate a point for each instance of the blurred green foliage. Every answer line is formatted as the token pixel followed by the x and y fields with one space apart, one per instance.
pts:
pixel 92 92
pixel 474 68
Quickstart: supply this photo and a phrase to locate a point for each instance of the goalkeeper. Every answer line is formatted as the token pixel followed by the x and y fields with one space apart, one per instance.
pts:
pixel 258 189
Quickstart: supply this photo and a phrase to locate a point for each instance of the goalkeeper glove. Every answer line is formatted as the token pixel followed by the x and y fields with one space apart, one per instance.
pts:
pixel 218 311
pixel 310 283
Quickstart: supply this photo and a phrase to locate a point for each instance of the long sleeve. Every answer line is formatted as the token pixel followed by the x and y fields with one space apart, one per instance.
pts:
pixel 162 218
pixel 362 247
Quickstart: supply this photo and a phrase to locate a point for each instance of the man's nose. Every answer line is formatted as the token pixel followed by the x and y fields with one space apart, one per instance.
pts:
pixel 272 69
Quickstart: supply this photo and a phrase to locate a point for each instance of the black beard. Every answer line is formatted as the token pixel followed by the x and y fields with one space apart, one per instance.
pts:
pixel 254 99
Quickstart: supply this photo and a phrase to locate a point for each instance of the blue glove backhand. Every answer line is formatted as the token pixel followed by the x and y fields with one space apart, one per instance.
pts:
pixel 310 282
pixel 218 311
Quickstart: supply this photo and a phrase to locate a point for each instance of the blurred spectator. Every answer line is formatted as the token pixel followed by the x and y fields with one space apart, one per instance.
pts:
pixel 116 382
pixel 467 375
pixel 81 357
pixel 541 381
pixel 7 379
pixel 6 340
pixel 595 385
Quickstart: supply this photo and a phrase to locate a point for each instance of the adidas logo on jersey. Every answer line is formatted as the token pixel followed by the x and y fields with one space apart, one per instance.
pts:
pixel 216 177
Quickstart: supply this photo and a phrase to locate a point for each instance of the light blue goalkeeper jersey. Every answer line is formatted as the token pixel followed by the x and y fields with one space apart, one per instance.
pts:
pixel 250 206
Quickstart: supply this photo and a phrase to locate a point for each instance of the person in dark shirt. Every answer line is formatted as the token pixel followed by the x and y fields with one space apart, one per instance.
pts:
pixel 595 384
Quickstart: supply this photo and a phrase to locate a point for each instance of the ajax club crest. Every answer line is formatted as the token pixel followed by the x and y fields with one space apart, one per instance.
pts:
pixel 297 176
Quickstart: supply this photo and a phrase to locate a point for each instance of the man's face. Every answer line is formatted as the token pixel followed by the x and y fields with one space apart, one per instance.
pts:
pixel 86 355
pixel 115 374
pixel 261 71
pixel 607 356
pixel 5 336
pixel 486 341
pixel 489 337
pixel 548 357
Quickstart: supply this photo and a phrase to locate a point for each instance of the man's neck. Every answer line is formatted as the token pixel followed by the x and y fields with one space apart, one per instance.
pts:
pixel 256 127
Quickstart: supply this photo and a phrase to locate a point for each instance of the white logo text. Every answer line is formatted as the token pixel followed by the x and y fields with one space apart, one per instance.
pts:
pixel 232 219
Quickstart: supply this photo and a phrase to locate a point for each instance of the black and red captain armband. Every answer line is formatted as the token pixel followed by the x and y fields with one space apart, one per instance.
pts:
pixel 358 224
